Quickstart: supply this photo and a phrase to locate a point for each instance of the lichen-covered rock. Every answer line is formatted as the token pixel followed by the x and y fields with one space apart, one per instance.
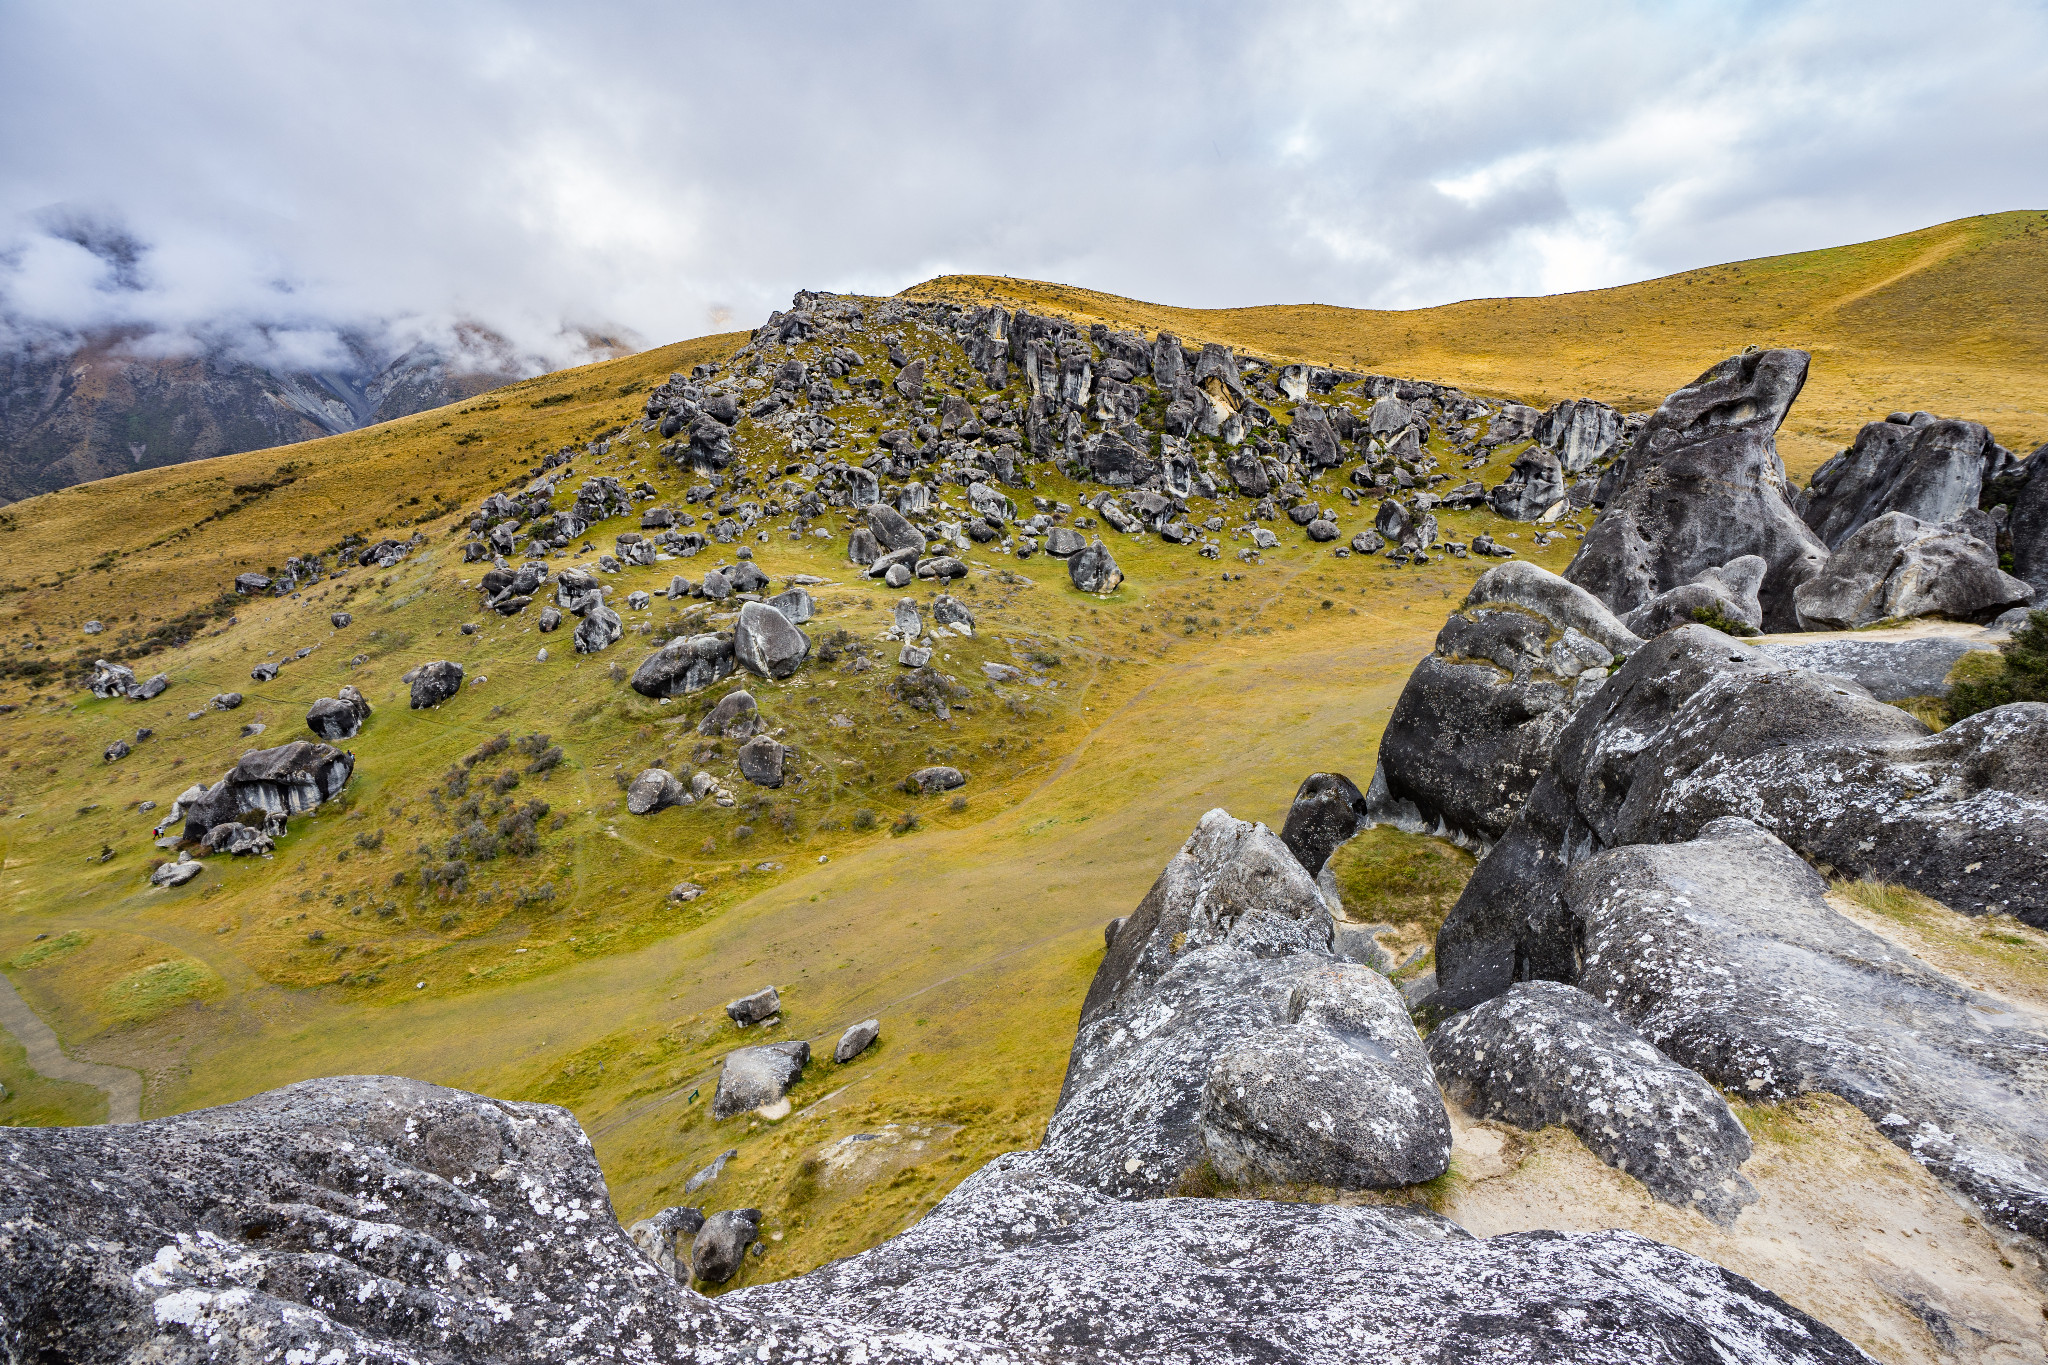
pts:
pixel 1896 567
pixel 434 683
pixel 1728 592
pixel 1579 432
pixel 339 717
pixel 1339 1094
pixel 766 644
pixel 1474 727
pixel 653 790
pixel 685 665
pixel 1062 542
pixel 373 1218
pixel 892 530
pixel 1930 468
pixel 756 1077
pixel 664 1238
pixel 276 784
pixel 1221 968
pixel 1697 726
pixel 1701 485
pixel 1043 1267
pixel 1889 669
pixel 1547 1053
pixel 1724 952
pixel 795 605
pixel 1094 569
pixel 720 1246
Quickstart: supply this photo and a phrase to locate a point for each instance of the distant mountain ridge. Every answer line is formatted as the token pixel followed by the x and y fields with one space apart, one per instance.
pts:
pixel 83 409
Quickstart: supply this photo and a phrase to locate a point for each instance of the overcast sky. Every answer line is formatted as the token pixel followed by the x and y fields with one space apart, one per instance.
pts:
pixel 673 169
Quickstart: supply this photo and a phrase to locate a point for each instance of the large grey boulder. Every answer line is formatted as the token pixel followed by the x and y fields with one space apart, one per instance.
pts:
pixel 1898 567
pixel 1701 485
pixel 1696 726
pixel 1339 1094
pixel 762 1005
pixel 1328 809
pixel 856 1040
pixel 1728 592
pixel 795 604
pixel 277 784
pixel 1474 727
pixel 1047 1268
pixel 892 530
pixel 720 1246
pixel 1930 468
pixel 339 717
pixel 762 760
pixel 1580 433
pixel 1062 542
pixel 1222 976
pixel 2028 523
pixel 684 665
pixel 766 644
pixel 756 1077
pixel 1312 435
pixel 653 790
pixel 1534 485
pixel 1723 951
pixel 735 716
pixel 111 679
pixel 599 630
pixel 1094 569
pixel 1547 1053
pixel 434 683
pixel 664 1239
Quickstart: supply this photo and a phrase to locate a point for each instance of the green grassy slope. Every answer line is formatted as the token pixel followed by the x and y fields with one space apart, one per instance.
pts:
pixel 566 974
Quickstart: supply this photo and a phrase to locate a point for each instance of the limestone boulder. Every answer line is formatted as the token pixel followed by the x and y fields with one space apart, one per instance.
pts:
pixel 1727 593
pixel 1546 1053
pixel 1723 951
pixel 1094 569
pixel 1929 468
pixel 1702 485
pixel 339 717
pixel 653 790
pixel 434 683
pixel 766 644
pixel 1897 567
pixel 684 665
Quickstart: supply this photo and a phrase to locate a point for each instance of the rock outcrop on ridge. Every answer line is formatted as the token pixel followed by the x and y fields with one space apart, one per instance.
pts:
pixel 1703 485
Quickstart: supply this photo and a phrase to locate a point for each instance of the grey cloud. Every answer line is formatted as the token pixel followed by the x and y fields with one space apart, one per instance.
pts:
pixel 542 169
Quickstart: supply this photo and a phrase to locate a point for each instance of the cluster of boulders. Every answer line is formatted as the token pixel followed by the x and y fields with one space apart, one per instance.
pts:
pixel 118 680
pixel 246 811
pixel 1656 802
pixel 1893 527
pixel 1221 1041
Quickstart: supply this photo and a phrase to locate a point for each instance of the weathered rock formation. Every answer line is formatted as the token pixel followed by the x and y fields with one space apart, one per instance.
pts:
pixel 1703 485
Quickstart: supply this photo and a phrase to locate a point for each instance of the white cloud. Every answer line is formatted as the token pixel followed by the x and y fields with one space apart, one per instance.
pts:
pixel 300 176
